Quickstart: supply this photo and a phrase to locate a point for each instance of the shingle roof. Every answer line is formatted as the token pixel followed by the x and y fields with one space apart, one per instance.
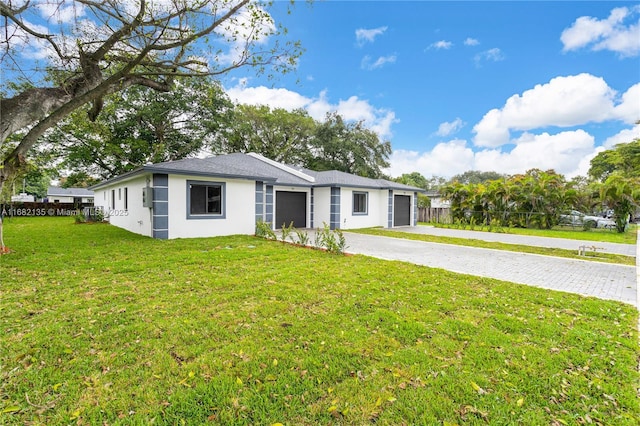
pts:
pixel 255 167
pixel 69 192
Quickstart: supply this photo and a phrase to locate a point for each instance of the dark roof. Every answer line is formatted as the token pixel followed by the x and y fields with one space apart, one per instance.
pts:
pixel 69 192
pixel 256 167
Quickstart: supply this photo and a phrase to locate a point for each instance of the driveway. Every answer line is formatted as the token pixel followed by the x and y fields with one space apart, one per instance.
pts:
pixel 597 279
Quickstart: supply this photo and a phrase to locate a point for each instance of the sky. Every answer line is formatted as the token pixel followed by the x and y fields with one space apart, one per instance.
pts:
pixel 502 86
pixel 456 86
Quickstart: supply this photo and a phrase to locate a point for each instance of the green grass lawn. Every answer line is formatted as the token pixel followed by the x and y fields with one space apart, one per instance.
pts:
pixel 547 251
pixel 100 326
pixel 604 235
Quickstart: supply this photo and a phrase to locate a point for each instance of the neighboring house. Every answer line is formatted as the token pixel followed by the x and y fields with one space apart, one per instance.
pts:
pixel 437 201
pixel 229 194
pixel 23 198
pixel 69 195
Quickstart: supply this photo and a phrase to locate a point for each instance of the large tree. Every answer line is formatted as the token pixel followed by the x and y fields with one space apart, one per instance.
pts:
pixel 109 45
pixel 349 147
pixel 278 134
pixel 623 158
pixel 141 125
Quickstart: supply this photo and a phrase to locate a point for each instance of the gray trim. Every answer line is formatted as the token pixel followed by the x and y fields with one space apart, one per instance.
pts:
pixel 160 197
pixel 268 205
pixel 390 211
pixel 161 180
pixel 259 201
pixel 366 203
pixel 223 200
pixel 334 221
pixel 415 209
pixel 311 208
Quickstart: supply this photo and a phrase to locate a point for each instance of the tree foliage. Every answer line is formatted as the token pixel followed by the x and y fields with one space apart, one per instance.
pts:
pixel 111 45
pixel 140 125
pixel 278 134
pixel 476 176
pixel 348 147
pixel 623 158
pixel 534 199
pixel 622 194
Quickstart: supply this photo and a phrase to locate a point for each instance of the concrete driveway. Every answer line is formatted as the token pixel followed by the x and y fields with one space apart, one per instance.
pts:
pixel 602 280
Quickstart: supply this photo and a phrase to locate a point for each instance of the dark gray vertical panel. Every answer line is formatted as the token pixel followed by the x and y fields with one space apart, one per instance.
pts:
pixel 335 208
pixel 160 206
pixel 259 201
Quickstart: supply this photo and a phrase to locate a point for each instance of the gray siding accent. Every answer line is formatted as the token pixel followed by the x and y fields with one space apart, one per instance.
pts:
pixel 259 201
pixel 335 208
pixel 160 206
pixel 390 210
pixel 415 209
pixel 268 205
pixel 311 207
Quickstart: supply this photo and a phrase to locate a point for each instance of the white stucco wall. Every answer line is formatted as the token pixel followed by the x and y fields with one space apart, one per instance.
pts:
pixel 135 217
pixel 322 206
pixel 376 209
pixel 238 209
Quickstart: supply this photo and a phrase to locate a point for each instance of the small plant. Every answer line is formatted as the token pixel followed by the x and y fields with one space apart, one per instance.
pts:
pixel 263 230
pixel 341 242
pixel 286 231
pixel 80 217
pixel 302 237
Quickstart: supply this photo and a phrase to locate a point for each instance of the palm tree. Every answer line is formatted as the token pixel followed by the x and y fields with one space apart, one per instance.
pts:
pixel 623 196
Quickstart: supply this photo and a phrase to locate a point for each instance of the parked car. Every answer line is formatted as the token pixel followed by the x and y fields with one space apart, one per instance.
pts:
pixel 576 218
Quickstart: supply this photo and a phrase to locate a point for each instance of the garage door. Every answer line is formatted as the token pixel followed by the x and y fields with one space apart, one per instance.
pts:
pixel 291 207
pixel 401 210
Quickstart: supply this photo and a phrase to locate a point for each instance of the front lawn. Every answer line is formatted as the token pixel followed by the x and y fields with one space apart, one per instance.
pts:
pixel 100 326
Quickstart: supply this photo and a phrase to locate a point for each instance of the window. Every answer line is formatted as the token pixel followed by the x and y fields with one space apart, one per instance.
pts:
pixel 205 199
pixel 360 202
pixel 126 199
pixel 119 194
pixel 113 199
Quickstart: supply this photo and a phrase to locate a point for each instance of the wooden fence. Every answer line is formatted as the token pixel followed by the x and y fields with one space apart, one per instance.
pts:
pixel 434 214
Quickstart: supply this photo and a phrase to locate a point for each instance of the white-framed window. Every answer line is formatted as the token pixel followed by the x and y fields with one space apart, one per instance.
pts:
pixel 205 200
pixel 360 202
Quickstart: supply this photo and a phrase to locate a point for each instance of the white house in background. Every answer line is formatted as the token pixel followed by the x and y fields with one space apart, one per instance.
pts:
pixel 23 197
pixel 69 195
pixel 229 194
pixel 437 200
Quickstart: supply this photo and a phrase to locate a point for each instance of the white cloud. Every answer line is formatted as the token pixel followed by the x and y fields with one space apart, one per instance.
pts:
pixel 61 13
pixel 624 136
pixel 442 44
pixel 368 35
pixel 448 128
pixel 629 108
pixel 491 55
pixel 563 102
pixel 565 152
pixel 378 120
pixel 445 159
pixel 471 42
pixel 378 63
pixel 561 152
pixel 605 34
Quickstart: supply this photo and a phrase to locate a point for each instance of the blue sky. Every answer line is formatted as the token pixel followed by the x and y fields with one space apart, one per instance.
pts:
pixel 456 86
